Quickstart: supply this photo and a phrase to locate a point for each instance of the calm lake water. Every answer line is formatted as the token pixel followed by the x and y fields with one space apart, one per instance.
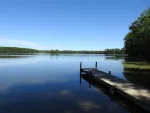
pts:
pixel 51 83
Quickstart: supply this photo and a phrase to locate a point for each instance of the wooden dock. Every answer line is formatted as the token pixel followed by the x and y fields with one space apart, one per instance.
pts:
pixel 136 93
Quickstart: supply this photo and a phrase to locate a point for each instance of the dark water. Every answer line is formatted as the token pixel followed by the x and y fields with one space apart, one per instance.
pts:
pixel 51 83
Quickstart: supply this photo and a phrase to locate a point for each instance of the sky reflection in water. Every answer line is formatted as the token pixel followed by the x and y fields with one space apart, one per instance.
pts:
pixel 45 83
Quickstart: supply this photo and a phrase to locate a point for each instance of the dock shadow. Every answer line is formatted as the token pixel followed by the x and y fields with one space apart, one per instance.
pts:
pixel 123 101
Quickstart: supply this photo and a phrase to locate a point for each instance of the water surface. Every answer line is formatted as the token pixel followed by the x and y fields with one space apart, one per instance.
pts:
pixel 51 83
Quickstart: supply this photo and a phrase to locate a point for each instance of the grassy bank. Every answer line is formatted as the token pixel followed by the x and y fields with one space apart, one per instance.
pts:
pixel 137 65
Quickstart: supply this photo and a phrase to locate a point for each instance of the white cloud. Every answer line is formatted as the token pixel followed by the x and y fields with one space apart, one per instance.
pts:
pixel 20 43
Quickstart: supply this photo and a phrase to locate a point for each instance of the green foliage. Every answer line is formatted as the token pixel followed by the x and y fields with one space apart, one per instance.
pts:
pixel 137 41
pixel 17 50
pixel 71 52
pixel 107 51
pixel 137 65
pixel 114 51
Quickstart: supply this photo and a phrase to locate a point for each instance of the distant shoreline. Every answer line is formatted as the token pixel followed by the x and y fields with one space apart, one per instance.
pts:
pixel 18 50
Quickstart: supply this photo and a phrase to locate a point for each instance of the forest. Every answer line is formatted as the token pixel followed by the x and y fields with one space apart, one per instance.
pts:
pixel 137 41
pixel 17 50
pixel 106 51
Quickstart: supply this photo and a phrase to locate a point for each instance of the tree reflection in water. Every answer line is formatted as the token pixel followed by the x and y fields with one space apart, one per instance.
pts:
pixel 137 76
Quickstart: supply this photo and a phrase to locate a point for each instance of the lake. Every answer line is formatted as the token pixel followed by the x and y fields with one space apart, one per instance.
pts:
pixel 51 83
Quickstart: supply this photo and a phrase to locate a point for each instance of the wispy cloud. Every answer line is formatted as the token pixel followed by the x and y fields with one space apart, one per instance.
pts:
pixel 20 43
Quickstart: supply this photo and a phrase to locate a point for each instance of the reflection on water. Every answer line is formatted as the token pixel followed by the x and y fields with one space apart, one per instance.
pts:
pixel 138 76
pixel 13 60
pixel 134 59
pixel 114 57
pixel 11 56
pixel 129 105
pixel 50 83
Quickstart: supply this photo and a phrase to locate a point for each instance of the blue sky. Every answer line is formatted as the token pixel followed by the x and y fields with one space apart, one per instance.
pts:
pixel 67 24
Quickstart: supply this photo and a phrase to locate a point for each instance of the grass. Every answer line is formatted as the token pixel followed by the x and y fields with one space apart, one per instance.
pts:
pixel 137 65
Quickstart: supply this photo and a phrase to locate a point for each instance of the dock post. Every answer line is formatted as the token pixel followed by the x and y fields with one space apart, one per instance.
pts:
pixel 112 90
pixel 89 74
pixel 89 79
pixel 80 79
pixel 80 67
pixel 80 71
pixel 96 65
pixel 109 72
pixel 89 85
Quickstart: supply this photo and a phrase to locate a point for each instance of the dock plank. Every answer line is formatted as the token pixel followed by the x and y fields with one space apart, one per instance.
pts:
pixel 137 93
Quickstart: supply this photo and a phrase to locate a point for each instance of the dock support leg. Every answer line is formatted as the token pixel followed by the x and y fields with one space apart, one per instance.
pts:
pixel 96 65
pixel 89 76
pixel 109 72
pixel 80 72
pixel 80 67
pixel 89 79
pixel 80 80
pixel 112 90
pixel 89 85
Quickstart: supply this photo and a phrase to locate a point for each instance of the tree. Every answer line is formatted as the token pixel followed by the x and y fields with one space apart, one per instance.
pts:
pixel 137 41
pixel 17 50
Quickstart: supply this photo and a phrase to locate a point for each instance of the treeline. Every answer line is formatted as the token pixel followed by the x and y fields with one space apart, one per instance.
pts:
pixel 71 52
pixel 106 51
pixel 16 50
pixel 137 41
pixel 114 51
